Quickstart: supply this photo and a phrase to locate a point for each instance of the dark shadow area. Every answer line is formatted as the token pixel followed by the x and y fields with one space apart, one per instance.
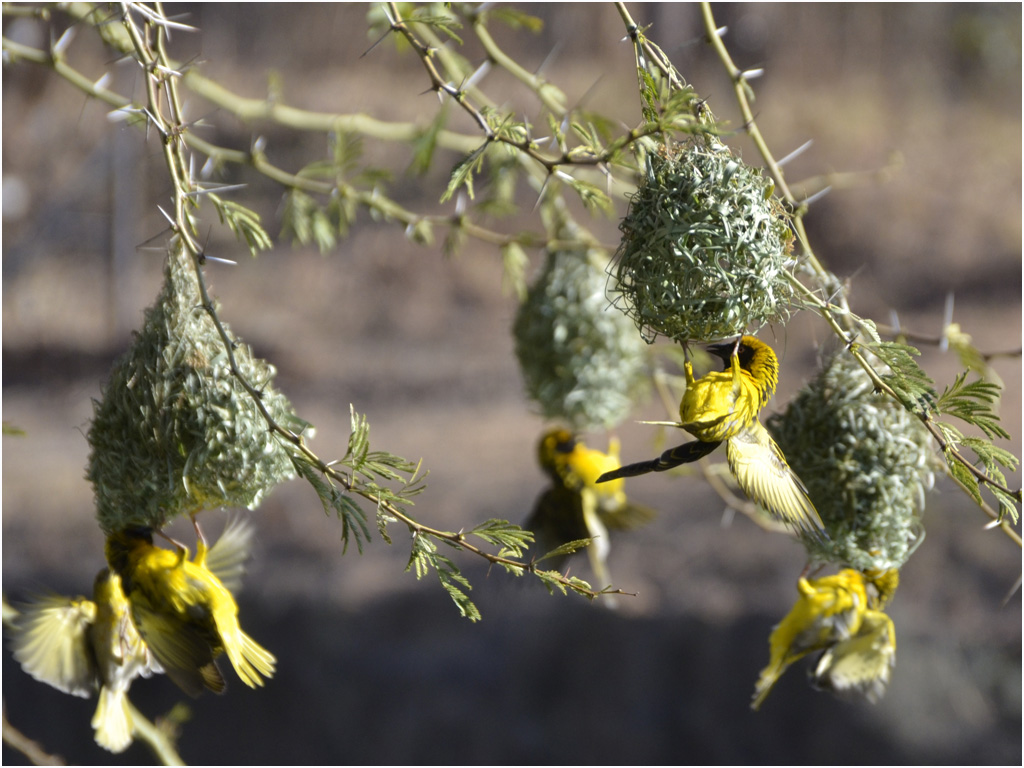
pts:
pixel 538 682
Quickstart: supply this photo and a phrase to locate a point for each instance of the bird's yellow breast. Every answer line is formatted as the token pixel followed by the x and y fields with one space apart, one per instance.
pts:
pixel 717 406
pixel 589 464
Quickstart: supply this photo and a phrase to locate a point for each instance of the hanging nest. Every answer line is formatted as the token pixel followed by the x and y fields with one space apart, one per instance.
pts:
pixel 175 432
pixel 582 361
pixel 866 463
pixel 705 247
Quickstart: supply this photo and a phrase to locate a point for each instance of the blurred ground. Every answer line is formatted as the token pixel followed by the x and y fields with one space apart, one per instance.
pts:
pixel 376 667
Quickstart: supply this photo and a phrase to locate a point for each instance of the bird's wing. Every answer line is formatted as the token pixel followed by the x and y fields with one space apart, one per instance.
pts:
pixel 673 457
pixel 180 648
pixel 627 517
pixel 862 664
pixel 763 474
pixel 52 645
pixel 556 520
pixel 226 558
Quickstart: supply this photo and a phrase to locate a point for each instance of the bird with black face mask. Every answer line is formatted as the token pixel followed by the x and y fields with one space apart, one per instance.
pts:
pixel 184 612
pixel 724 406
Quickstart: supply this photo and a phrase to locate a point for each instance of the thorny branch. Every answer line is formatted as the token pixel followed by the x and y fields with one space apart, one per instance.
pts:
pixel 835 311
pixel 161 88
pixel 163 74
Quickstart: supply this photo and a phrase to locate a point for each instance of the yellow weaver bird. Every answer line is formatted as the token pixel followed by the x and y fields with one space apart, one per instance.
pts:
pixel 78 645
pixel 862 664
pixel 575 507
pixel 830 609
pixel 185 613
pixel 724 406
pixel 838 615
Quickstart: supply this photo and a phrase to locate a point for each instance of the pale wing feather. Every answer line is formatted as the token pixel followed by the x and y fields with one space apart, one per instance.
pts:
pixel 226 558
pixel 862 664
pixel 765 477
pixel 51 643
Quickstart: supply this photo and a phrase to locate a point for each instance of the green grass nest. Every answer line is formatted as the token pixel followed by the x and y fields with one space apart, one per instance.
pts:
pixel 582 360
pixel 705 247
pixel 175 432
pixel 866 463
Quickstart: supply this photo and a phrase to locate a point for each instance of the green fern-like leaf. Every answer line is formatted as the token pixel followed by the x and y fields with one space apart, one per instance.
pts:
pixel 443 22
pixel 603 130
pixel 506 127
pixel 333 499
pixel 973 403
pixel 324 231
pixel 372 469
pixel 346 151
pixel 907 379
pixel 450 582
pixel 244 222
pixel 1007 504
pixel 455 238
pixel 515 19
pixel 514 262
pixel 424 558
pixel 341 209
pixel 593 197
pixel 383 521
pixel 961 473
pixel 377 465
pixel 590 141
pixel 866 326
pixel 421 556
pixel 297 217
pixel 679 112
pixel 553 580
pixel 462 173
pixel 648 95
pixel 991 456
pixel 424 145
pixel 511 538
pixel 565 549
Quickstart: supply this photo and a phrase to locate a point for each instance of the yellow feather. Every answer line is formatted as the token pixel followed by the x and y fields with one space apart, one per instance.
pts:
pixel 79 646
pixel 113 721
pixel 121 656
pixel 226 558
pixel 764 476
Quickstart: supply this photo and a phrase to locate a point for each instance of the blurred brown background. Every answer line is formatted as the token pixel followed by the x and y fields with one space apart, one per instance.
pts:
pixel 376 667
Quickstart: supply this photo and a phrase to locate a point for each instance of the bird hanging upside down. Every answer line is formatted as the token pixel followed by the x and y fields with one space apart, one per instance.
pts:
pixel 839 615
pixel 184 612
pixel 724 406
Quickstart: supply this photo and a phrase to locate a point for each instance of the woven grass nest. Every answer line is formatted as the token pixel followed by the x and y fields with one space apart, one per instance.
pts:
pixel 175 432
pixel 705 247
